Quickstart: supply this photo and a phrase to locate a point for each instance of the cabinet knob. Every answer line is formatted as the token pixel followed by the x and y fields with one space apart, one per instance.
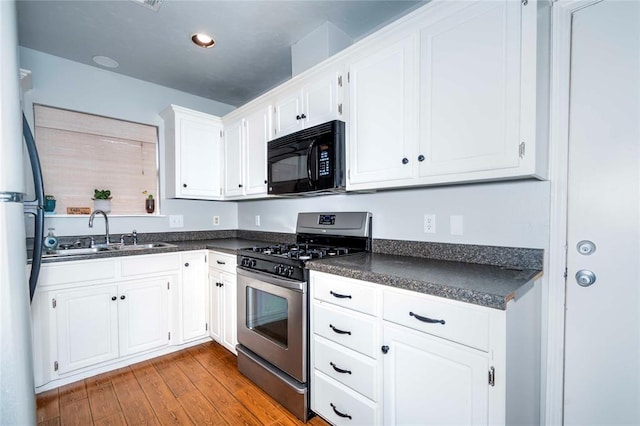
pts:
pixel 420 157
pixel 184 185
pixel 123 297
pixel 405 160
pixel 384 349
pixel 239 185
pixel 221 284
pixel 303 116
pixel 265 182
pixel 297 117
pixel 113 297
pixel 186 264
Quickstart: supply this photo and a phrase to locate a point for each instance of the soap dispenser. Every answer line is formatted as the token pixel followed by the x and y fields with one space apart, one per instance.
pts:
pixel 50 241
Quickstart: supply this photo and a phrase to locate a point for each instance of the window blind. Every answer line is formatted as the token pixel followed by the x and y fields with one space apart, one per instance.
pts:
pixel 81 152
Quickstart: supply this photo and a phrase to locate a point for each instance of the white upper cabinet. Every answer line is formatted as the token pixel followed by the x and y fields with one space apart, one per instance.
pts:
pixel 193 152
pixel 313 101
pixel 382 111
pixel 245 142
pixel 459 99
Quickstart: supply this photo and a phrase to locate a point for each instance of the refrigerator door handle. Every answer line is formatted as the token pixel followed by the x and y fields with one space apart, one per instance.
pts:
pixel 35 207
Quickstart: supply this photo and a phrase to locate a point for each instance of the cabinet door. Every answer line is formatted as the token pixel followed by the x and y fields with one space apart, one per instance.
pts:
pixel 288 109
pixel 229 309
pixel 215 314
pixel 382 116
pixel 233 185
pixel 257 134
pixel 87 326
pixel 143 312
pixel 320 100
pixel 194 296
pixel 200 152
pixel 429 381
pixel 470 90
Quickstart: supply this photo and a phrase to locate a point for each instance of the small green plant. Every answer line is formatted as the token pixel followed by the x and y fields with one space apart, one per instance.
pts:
pixel 49 197
pixel 149 196
pixel 101 194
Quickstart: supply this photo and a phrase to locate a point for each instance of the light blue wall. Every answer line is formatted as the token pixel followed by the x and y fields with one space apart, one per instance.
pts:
pixel 512 214
pixel 66 84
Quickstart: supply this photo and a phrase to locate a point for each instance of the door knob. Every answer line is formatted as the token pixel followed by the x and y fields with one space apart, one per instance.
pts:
pixel 585 278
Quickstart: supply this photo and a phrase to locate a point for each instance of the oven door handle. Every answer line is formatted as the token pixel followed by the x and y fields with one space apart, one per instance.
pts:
pixel 270 279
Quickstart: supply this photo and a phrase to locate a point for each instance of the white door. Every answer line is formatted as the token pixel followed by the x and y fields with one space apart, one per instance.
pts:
pixel 229 289
pixel 194 296
pixel 233 159
pixel 430 381
pixel 215 316
pixel 257 134
pixel 602 336
pixel 200 157
pixel 288 110
pixel 143 312
pixel 320 100
pixel 87 326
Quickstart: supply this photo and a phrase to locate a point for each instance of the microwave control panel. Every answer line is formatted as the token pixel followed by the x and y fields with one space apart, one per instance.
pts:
pixel 324 161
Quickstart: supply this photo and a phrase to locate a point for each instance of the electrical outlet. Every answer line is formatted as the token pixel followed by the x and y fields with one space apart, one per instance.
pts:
pixel 430 223
pixel 257 220
pixel 176 221
pixel 216 220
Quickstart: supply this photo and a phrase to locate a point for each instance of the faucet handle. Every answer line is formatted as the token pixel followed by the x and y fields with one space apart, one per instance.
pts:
pixel 134 236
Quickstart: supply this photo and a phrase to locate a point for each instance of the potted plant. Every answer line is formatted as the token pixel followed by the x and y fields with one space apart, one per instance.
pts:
pixel 102 200
pixel 49 203
pixel 149 202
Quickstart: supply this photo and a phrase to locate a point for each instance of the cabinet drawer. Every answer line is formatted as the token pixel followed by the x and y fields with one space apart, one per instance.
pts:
pixel 222 261
pixel 468 325
pixel 346 328
pixel 345 292
pixel 156 263
pixel 81 271
pixel 346 366
pixel 330 398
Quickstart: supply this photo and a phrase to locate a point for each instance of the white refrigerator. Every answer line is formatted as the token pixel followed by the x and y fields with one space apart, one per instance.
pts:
pixel 17 399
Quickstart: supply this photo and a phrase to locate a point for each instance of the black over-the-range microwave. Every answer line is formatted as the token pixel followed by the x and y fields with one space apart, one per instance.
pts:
pixel 310 161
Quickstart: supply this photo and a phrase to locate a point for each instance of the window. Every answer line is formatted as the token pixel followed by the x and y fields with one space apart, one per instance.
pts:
pixel 81 152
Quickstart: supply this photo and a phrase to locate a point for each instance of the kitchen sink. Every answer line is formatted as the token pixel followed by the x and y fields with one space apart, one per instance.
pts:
pixel 74 251
pixel 143 246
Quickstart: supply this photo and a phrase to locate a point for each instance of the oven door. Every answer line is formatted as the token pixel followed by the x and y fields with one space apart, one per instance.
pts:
pixel 272 320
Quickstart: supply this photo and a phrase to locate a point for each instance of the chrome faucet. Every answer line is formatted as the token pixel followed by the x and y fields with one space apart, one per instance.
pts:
pixel 106 224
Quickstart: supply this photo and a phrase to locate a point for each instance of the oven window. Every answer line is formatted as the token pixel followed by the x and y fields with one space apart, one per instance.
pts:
pixel 267 315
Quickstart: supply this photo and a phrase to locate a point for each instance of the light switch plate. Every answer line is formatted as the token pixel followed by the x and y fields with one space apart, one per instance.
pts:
pixel 456 223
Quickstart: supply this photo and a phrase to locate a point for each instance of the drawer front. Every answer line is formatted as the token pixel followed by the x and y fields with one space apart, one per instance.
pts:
pixel 345 292
pixel 81 271
pixel 340 405
pixel 151 264
pixel 461 324
pixel 345 328
pixel 222 261
pixel 346 366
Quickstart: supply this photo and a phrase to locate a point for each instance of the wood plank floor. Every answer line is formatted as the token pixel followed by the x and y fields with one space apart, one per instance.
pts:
pixel 197 386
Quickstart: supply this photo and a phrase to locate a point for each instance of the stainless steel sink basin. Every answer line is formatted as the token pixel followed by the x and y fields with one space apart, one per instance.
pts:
pixel 74 251
pixel 105 248
pixel 143 246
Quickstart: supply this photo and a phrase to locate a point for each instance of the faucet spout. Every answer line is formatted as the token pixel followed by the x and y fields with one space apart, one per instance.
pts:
pixel 106 224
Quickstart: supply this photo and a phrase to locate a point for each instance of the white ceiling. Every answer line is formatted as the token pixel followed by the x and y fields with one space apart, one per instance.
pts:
pixel 253 37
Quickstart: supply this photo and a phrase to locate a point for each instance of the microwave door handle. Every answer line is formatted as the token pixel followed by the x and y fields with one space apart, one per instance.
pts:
pixel 309 152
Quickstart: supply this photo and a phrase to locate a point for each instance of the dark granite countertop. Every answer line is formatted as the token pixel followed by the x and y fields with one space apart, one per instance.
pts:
pixel 484 285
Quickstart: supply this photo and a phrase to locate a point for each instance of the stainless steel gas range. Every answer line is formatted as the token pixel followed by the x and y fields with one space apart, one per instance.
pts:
pixel 273 303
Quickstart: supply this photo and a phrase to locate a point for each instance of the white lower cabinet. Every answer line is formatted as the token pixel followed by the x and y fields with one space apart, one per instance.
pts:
pixel 193 300
pixel 381 355
pixel 222 299
pixel 91 316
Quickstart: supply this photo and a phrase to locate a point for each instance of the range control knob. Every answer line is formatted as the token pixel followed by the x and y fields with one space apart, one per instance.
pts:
pixel 279 269
pixel 253 263
pixel 289 271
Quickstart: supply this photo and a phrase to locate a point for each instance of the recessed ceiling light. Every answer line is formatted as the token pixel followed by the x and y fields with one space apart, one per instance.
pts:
pixel 203 40
pixel 106 61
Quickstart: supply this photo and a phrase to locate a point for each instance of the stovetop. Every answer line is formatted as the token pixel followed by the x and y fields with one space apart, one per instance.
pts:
pixel 319 235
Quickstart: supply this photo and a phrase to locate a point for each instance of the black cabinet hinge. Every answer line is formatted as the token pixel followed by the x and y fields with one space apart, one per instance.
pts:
pixel 54 303
pixel 55 365
pixel 169 335
pixel 492 376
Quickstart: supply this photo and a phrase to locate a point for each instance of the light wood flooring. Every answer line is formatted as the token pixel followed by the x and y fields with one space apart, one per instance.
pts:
pixel 197 386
